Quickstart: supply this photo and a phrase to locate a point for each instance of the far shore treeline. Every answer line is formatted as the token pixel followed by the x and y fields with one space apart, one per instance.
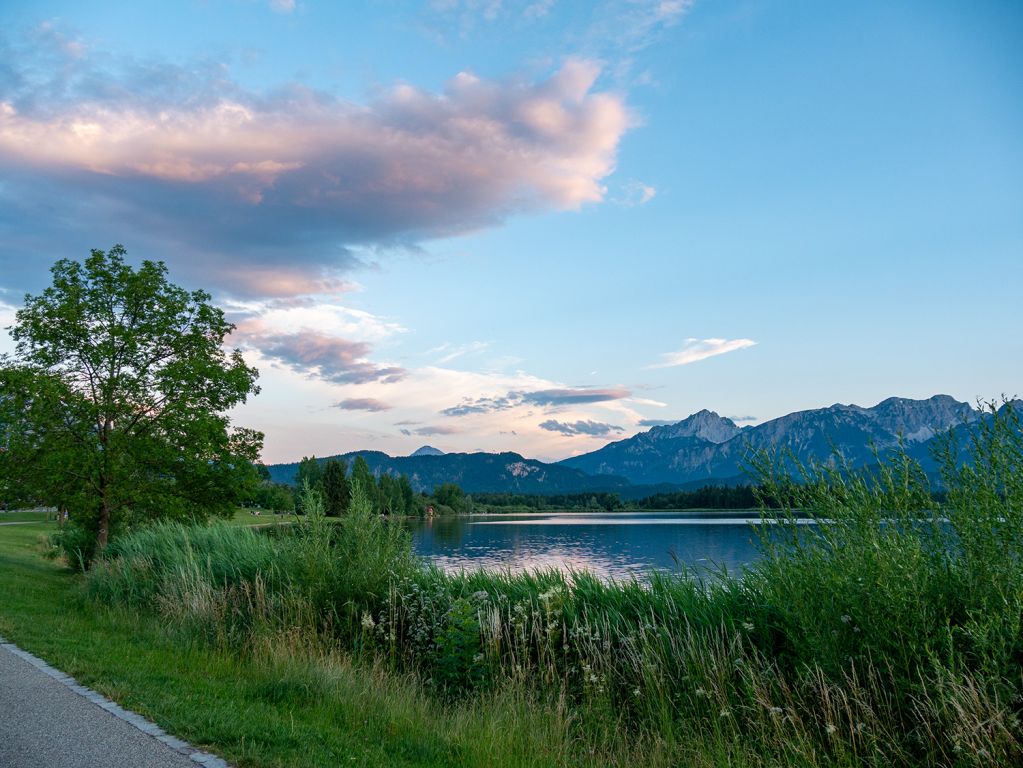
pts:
pixel 332 479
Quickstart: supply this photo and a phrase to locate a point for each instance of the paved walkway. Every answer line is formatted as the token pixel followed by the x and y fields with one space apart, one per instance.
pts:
pixel 47 720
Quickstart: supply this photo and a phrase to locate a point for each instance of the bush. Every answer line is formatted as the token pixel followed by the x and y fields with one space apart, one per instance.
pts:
pixel 76 543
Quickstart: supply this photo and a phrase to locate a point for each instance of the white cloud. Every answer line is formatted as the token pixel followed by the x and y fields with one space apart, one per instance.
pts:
pixel 671 10
pixel 636 193
pixel 451 352
pixel 327 319
pixel 694 350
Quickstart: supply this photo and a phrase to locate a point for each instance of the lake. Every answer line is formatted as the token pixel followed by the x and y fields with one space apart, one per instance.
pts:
pixel 613 544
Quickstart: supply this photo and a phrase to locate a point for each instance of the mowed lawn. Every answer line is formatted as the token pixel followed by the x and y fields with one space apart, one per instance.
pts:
pixel 297 712
pixel 26 516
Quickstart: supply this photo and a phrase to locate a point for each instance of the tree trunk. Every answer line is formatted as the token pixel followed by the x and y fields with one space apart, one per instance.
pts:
pixel 103 532
pixel 103 535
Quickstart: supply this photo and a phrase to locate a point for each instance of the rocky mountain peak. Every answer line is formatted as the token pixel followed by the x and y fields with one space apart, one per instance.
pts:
pixel 919 420
pixel 703 424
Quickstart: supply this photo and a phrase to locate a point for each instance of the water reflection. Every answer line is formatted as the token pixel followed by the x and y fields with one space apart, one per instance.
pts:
pixel 617 545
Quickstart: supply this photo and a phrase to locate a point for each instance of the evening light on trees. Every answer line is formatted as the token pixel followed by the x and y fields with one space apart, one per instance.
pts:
pixel 113 406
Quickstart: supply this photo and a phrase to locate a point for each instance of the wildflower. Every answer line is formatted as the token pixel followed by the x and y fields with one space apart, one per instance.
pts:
pixel 846 618
pixel 635 692
pixel 725 712
pixel 830 729
pixel 700 693
pixel 367 621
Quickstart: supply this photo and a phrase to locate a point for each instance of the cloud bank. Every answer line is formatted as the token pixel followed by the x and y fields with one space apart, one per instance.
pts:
pixel 279 188
pixel 589 428
pixel 544 398
pixel 655 422
pixel 363 404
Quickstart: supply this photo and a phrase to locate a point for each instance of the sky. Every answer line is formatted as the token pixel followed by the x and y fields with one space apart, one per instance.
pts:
pixel 538 225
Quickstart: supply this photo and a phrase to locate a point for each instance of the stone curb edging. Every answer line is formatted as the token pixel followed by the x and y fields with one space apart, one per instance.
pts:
pixel 115 709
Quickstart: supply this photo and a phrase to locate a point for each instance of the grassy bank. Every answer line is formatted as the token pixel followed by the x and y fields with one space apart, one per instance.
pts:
pixel 889 634
pixel 281 702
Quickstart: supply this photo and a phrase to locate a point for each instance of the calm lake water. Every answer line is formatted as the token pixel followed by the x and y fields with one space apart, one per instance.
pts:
pixel 613 544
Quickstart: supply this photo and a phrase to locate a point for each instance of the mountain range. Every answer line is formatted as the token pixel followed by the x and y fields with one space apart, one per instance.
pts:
pixel 701 449
pixel 474 472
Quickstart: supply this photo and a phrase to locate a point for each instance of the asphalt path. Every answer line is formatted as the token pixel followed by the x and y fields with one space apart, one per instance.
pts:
pixel 47 720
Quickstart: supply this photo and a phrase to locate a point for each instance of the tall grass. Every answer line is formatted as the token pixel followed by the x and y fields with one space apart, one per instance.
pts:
pixel 889 633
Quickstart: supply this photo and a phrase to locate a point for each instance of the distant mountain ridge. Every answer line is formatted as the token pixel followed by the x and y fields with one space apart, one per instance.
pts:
pixel 693 449
pixel 474 472
pixel 702 448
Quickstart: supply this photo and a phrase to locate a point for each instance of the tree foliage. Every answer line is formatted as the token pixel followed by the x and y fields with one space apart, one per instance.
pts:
pixel 336 490
pixel 309 472
pixel 113 406
pixel 451 495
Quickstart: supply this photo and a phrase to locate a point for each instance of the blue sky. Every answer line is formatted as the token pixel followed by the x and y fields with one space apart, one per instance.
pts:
pixel 538 226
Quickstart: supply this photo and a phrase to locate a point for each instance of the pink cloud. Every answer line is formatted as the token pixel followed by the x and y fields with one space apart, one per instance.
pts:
pixel 287 182
pixel 333 359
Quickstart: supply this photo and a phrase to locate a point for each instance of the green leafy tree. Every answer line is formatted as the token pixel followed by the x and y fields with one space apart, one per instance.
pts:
pixel 336 491
pixel 408 496
pixel 114 403
pixel 309 473
pixel 276 497
pixel 450 495
pixel 362 476
pixel 385 489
